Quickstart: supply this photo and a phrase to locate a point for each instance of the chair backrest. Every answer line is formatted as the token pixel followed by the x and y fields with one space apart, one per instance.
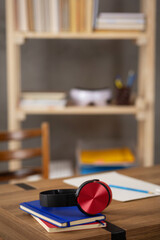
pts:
pixel 20 154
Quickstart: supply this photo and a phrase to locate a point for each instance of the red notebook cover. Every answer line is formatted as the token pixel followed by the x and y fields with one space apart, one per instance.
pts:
pixel 53 228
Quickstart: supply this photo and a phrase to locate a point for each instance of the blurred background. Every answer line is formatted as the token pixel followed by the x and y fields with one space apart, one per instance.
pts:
pixel 61 64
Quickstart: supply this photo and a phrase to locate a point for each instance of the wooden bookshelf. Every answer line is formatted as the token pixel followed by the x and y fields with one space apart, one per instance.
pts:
pixel 143 110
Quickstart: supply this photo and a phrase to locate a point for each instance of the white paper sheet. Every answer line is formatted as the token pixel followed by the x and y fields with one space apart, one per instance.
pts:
pixel 115 178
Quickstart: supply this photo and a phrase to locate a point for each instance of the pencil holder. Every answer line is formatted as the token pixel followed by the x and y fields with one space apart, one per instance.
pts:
pixel 123 96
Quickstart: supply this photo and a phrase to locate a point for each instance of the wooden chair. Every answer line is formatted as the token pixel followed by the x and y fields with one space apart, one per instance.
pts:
pixel 23 154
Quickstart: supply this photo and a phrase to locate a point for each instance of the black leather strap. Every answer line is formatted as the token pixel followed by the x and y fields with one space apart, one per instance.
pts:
pixel 117 233
pixel 25 186
pixel 58 198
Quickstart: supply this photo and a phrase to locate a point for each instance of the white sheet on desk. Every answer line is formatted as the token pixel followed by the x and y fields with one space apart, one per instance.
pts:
pixel 114 178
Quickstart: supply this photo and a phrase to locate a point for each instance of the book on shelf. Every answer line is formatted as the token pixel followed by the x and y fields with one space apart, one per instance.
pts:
pixel 38 16
pixel 30 15
pixel 73 19
pixel 54 24
pixel 120 21
pixel 95 12
pixel 56 15
pixel 64 15
pixel 89 15
pixel 21 15
pixel 107 156
pixel 53 228
pixel 92 169
pixel 46 15
pixel 42 104
pixel 82 16
pixel 42 100
pixel 97 157
pixel 123 17
pixel 44 95
pixel 129 27
pixel 60 216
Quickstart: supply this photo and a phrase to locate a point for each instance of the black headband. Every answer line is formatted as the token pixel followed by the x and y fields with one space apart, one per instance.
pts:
pixel 58 198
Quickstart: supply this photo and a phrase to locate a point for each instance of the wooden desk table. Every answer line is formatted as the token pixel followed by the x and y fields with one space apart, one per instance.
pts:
pixel 140 219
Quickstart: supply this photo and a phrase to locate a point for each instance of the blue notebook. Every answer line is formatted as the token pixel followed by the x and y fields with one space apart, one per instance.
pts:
pixel 60 216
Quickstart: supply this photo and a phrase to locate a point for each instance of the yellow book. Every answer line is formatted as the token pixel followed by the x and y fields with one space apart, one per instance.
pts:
pixel 73 17
pixel 82 15
pixel 110 156
pixel 89 15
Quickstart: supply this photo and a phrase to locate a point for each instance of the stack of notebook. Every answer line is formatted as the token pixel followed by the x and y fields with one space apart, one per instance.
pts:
pixel 60 219
pixel 120 21
pixel 43 100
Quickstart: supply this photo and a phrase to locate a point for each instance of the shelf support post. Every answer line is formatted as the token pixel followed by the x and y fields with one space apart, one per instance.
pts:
pixel 13 77
pixel 146 86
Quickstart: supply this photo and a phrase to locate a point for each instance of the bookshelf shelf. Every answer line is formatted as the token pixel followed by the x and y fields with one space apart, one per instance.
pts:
pixel 128 35
pixel 143 110
pixel 90 110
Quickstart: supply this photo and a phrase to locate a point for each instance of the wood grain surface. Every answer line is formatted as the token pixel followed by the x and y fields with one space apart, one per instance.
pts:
pixel 140 219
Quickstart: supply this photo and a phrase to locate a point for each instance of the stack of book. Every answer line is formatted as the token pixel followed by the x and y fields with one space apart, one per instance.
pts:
pixel 120 21
pixel 61 219
pixel 98 160
pixel 40 100
pixel 55 15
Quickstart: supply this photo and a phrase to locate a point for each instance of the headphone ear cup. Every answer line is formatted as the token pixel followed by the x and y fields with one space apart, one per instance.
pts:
pixel 109 191
pixel 85 183
pixel 93 197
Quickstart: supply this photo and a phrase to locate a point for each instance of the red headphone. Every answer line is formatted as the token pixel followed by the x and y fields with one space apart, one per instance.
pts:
pixel 91 197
